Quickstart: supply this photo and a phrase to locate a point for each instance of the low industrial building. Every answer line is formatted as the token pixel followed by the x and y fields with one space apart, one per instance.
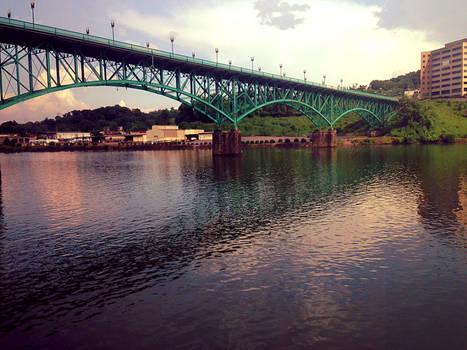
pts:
pixel 171 133
pixel 73 136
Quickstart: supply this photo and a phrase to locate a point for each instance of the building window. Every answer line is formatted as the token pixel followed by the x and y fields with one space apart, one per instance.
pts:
pixel 446 68
pixel 436 76
pixel 457 72
pixel 457 48
pixel 436 70
pixel 445 51
pixel 456 78
pixel 435 87
pixel 445 92
pixel 447 79
pixel 457 54
pixel 436 64
pixel 453 84
pixel 445 85
pixel 456 91
pixel 457 60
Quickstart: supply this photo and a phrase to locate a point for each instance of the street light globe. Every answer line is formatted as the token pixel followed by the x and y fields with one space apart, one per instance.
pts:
pixel 87 30
pixel 9 14
pixel 33 4
pixel 147 44
pixel 112 23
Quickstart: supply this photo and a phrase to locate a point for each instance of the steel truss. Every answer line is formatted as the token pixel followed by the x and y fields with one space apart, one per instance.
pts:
pixel 221 95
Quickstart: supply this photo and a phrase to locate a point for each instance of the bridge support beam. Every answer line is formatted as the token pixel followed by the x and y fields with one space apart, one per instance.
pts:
pixel 227 143
pixel 324 139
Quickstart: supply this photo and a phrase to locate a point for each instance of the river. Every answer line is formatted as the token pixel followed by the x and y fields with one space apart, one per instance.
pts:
pixel 354 248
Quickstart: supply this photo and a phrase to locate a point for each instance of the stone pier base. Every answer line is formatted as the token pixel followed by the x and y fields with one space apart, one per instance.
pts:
pixel 323 139
pixel 227 143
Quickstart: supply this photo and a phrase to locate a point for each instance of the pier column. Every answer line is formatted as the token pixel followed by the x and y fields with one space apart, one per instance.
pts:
pixel 227 143
pixel 323 139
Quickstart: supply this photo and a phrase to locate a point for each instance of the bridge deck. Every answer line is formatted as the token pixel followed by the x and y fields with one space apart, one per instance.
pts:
pixel 34 35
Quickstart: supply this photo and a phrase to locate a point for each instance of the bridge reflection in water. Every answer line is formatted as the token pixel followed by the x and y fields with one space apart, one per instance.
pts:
pixel 285 247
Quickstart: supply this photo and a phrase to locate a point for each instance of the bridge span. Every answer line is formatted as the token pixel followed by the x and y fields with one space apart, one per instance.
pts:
pixel 36 60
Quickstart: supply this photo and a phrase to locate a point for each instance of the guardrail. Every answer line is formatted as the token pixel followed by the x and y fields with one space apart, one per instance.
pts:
pixel 182 58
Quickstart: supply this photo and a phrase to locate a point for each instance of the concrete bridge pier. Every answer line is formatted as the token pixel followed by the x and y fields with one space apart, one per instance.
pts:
pixel 227 143
pixel 324 139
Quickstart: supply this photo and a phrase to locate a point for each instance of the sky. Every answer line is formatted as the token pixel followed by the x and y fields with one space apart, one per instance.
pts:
pixel 353 40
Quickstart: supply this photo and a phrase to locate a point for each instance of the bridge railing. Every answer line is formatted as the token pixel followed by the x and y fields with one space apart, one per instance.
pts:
pixel 159 53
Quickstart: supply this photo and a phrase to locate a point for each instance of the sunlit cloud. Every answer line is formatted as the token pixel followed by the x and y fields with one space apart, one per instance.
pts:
pixel 340 39
pixel 41 107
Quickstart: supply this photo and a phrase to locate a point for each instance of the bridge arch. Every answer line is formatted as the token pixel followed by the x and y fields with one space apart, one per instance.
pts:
pixel 359 111
pixel 291 103
pixel 142 86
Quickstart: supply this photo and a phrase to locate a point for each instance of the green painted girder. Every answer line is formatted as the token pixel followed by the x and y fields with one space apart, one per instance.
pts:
pixel 28 71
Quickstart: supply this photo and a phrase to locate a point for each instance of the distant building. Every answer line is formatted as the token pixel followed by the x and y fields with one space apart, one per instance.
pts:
pixel 165 133
pixel 73 136
pixel 443 72
pixel 411 93
pixel 139 137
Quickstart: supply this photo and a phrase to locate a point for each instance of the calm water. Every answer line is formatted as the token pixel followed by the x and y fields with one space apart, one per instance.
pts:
pixel 361 248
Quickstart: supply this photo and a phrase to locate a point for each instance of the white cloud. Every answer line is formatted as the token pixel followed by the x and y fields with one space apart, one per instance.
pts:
pixel 38 108
pixel 341 40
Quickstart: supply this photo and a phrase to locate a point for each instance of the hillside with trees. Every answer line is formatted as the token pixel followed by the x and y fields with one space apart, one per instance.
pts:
pixel 394 87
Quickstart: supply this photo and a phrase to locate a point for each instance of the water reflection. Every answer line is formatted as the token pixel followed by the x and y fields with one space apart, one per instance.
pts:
pixel 269 248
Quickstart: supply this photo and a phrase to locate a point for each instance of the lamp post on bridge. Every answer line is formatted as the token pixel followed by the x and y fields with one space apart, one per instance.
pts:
pixel 112 24
pixel 147 44
pixel 259 69
pixel 193 54
pixel 9 15
pixel 230 64
pixel 172 38
pixel 252 60
pixel 304 74
pixel 217 55
pixel 342 86
pixel 324 79
pixel 87 31
pixel 280 66
pixel 33 4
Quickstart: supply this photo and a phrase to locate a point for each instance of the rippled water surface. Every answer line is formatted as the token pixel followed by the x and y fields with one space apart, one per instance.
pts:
pixel 361 248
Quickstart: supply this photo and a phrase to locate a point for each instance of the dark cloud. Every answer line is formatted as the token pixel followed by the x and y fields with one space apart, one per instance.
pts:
pixel 442 20
pixel 280 14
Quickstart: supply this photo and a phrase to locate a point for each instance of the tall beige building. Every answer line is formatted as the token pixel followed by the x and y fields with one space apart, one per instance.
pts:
pixel 443 72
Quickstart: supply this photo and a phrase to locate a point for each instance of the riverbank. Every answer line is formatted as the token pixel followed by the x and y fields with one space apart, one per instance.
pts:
pixel 247 142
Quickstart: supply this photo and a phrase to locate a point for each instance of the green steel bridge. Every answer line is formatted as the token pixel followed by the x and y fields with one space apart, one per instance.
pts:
pixel 36 60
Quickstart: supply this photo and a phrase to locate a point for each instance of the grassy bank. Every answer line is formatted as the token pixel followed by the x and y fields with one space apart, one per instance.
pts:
pixel 418 121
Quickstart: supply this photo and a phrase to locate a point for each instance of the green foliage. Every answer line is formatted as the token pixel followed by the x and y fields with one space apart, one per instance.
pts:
pixel 395 86
pixel 428 121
